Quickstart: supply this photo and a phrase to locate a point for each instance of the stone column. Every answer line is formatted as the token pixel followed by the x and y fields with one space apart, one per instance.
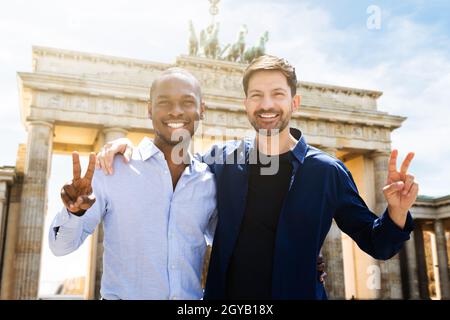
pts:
pixel 441 248
pixel 391 283
pixel 12 222
pixel 380 166
pixel 7 176
pixel 3 208
pixel 413 279
pixel 3 222
pixel 421 261
pixel 333 255
pixel 33 209
pixel 109 134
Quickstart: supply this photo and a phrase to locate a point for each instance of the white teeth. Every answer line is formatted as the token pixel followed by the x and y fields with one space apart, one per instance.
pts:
pixel 175 125
pixel 268 115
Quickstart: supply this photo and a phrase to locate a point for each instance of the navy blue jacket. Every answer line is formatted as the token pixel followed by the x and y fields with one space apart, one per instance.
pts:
pixel 321 189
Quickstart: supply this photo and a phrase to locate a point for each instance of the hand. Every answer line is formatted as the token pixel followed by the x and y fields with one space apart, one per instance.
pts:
pixel 105 157
pixel 401 190
pixel 321 268
pixel 77 194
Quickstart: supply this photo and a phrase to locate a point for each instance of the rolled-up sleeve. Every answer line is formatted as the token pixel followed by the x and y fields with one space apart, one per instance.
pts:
pixel 68 231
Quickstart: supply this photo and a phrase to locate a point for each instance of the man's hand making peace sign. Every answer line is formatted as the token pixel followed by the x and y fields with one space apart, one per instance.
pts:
pixel 401 190
pixel 77 194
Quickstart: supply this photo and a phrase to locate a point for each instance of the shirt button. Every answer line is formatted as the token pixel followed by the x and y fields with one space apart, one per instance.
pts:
pixel 173 266
pixel 174 298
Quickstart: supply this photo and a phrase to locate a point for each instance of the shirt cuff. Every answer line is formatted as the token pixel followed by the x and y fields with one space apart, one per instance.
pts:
pixel 67 219
pixel 394 230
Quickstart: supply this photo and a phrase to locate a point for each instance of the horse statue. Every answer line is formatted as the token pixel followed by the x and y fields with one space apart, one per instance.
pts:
pixel 203 39
pixel 193 42
pixel 257 51
pixel 237 49
pixel 209 40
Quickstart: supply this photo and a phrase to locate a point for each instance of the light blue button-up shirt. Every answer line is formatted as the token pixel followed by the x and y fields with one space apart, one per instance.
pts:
pixel 154 237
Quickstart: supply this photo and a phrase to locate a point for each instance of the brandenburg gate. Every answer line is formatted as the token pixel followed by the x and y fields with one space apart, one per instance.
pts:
pixel 77 101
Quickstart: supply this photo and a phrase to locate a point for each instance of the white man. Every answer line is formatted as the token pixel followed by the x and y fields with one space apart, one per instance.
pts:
pixel 272 226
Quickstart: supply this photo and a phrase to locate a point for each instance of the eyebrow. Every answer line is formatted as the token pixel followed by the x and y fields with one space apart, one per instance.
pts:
pixel 254 91
pixel 189 96
pixel 279 89
pixel 183 96
pixel 276 89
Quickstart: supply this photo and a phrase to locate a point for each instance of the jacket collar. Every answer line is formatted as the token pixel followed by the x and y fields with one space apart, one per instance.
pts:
pixel 299 150
pixel 301 147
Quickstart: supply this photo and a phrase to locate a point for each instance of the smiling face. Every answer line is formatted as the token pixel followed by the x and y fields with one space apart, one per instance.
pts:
pixel 269 102
pixel 175 107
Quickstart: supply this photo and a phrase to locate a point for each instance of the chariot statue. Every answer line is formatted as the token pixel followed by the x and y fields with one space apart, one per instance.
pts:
pixel 193 42
pixel 207 45
pixel 258 50
pixel 236 51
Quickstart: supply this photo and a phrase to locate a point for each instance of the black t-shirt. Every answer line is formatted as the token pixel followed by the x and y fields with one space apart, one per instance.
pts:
pixel 250 270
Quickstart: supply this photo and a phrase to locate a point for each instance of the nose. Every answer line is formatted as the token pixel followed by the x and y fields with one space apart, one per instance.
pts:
pixel 266 103
pixel 176 110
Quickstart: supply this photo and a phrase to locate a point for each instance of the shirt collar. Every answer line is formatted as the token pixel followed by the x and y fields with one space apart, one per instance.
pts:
pixel 301 147
pixel 147 149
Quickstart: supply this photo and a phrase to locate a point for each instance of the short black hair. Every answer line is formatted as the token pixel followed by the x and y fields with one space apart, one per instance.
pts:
pixel 175 70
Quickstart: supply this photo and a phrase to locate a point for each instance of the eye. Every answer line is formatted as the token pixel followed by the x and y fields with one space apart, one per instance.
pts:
pixel 189 103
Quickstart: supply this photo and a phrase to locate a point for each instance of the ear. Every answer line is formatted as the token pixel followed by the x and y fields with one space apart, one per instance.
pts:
pixel 202 110
pixel 296 102
pixel 245 101
pixel 150 110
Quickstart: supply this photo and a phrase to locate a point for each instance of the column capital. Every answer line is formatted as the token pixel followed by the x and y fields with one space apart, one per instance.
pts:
pixel 113 133
pixel 8 175
pixel 380 154
pixel 115 129
pixel 49 124
pixel 3 192
pixel 330 150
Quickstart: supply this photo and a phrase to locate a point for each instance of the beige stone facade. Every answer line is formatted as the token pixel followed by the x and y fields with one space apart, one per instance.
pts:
pixel 77 101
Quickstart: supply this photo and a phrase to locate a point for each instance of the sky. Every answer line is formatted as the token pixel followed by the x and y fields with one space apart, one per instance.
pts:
pixel 406 55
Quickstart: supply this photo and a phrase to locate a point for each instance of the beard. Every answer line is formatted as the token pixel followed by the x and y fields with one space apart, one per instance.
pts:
pixel 282 123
